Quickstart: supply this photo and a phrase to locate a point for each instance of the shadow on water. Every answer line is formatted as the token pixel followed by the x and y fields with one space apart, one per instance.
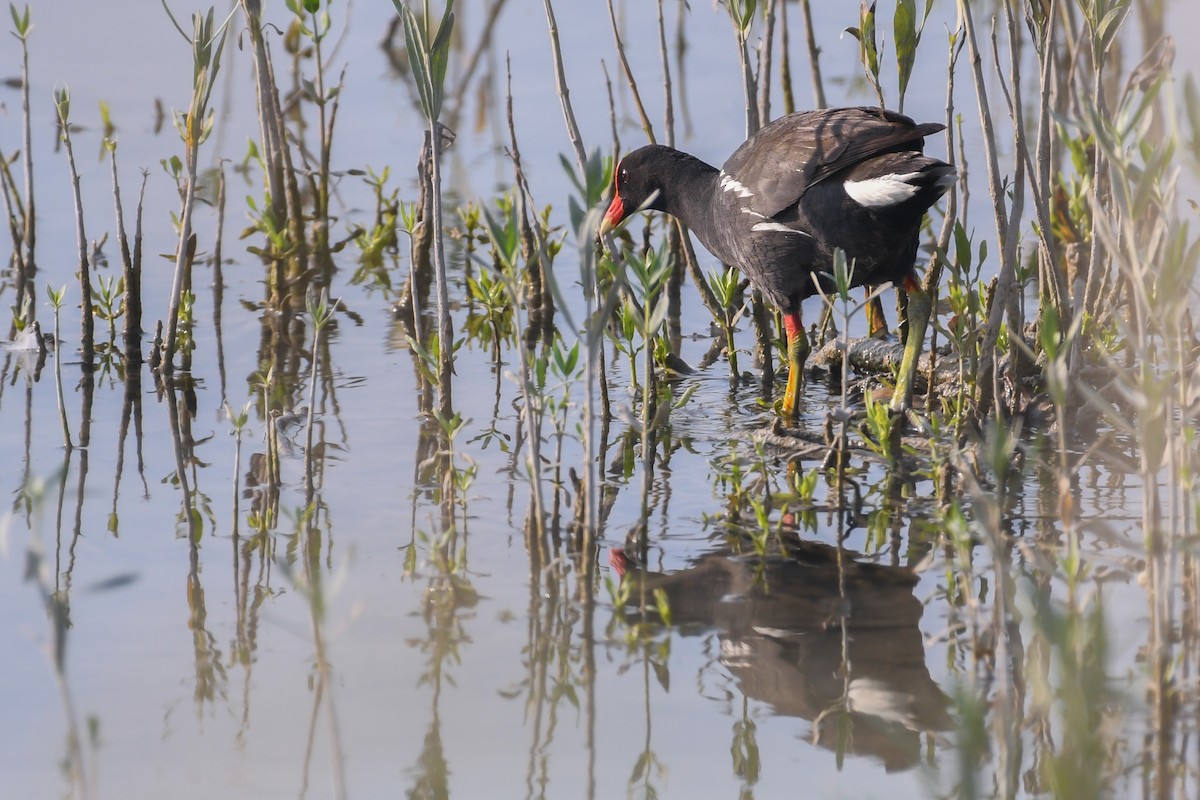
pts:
pixel 816 635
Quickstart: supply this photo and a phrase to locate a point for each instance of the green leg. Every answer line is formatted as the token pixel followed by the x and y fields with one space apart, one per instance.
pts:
pixel 920 305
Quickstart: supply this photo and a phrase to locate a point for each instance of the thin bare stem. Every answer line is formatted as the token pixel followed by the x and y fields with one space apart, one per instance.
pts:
pixel 668 99
pixel 765 50
pixel 87 321
pixel 988 379
pixel 564 93
pixel 26 277
pixel 814 55
pixel 637 97
pixel 785 60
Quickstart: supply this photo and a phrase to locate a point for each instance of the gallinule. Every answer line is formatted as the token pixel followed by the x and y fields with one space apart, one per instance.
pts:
pixel 793 193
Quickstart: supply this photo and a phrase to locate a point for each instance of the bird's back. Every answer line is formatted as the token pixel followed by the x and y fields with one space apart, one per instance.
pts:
pixel 817 181
pixel 789 156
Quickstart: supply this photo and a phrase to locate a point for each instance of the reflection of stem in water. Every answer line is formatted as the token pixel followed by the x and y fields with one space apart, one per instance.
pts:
pixel 209 666
pixel 85 435
pixel 549 645
pixel 314 592
pixel 26 453
pixel 538 659
pixel 62 576
pixel 841 706
pixel 587 601
pixel 243 647
pixel 647 765
pixel 746 763
pixel 321 312
pixel 649 437
pixel 56 602
pixel 447 595
pixel 1007 705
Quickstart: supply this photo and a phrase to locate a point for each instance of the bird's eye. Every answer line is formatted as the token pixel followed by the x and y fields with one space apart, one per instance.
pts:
pixel 623 175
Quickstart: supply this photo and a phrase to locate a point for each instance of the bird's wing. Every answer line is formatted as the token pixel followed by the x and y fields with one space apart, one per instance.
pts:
pixel 774 168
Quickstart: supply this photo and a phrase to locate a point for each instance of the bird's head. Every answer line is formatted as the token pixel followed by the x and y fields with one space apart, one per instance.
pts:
pixel 636 185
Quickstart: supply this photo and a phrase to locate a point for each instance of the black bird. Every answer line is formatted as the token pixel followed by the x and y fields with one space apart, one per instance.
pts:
pixel 790 196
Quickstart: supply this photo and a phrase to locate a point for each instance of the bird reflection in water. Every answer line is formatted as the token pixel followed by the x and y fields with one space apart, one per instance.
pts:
pixel 833 641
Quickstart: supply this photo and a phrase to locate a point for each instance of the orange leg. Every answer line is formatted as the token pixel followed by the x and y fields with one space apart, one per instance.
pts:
pixel 798 350
pixel 876 321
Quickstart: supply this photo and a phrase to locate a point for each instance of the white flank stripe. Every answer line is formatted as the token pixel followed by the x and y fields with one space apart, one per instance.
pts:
pixel 777 226
pixel 886 190
pixel 732 184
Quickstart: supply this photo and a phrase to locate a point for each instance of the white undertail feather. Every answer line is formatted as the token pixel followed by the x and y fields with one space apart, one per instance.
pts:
pixel 886 190
pixel 777 226
pixel 732 184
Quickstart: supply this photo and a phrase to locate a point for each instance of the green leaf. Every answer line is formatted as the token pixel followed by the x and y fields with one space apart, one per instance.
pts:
pixel 439 58
pixel 962 247
pixel 742 14
pixel 908 38
pixel 62 102
pixel 904 26
pixel 21 22
pixel 1049 331
pixel 1191 100
pixel 1106 31
pixel 427 59
pixel 870 53
pixel 414 43
pixel 504 237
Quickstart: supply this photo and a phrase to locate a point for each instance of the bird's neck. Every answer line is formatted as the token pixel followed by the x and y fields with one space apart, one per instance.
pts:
pixel 689 193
